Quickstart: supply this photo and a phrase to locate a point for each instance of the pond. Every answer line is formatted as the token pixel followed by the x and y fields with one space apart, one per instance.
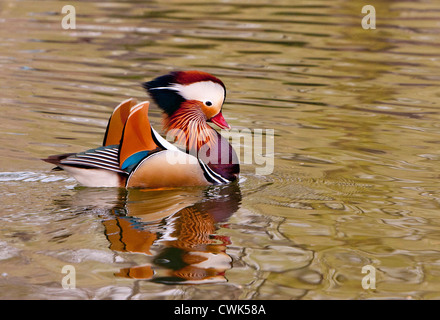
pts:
pixel 354 184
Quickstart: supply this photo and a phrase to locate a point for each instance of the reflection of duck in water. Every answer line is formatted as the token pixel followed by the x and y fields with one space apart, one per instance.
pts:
pixel 184 244
pixel 135 155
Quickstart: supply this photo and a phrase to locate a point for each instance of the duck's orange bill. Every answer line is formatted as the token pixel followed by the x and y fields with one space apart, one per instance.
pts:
pixel 220 121
pixel 117 121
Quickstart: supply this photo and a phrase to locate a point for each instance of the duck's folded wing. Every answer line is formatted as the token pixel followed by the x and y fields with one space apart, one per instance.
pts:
pixel 99 158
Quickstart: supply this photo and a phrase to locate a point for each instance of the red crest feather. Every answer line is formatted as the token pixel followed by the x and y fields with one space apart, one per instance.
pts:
pixel 188 77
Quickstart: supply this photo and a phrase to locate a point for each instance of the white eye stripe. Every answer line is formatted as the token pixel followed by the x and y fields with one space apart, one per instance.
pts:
pixel 202 91
pixel 165 88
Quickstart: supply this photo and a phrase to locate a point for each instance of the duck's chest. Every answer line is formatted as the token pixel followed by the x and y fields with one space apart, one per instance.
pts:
pixel 168 169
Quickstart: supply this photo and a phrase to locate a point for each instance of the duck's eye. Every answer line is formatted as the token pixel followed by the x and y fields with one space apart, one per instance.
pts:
pixel 208 103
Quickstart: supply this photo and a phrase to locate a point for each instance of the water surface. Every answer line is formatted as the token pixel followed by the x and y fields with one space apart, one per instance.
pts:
pixel 355 181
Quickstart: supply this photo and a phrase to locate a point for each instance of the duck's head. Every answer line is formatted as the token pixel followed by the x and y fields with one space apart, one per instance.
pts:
pixel 193 95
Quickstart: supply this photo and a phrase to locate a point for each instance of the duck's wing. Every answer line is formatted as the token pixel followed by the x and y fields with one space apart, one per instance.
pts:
pixel 93 168
pixel 129 136
pixel 99 158
pixel 117 121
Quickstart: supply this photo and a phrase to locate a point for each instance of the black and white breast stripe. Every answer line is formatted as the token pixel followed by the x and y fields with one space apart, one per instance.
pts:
pixel 102 158
pixel 211 175
pixel 162 142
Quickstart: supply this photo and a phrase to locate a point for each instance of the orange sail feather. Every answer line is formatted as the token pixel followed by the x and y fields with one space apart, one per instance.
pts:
pixel 137 136
pixel 117 121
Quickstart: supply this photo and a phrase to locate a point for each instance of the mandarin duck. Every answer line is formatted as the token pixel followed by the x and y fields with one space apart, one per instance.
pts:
pixel 133 153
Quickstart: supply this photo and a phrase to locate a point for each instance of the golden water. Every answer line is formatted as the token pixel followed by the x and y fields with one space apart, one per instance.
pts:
pixel 355 181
